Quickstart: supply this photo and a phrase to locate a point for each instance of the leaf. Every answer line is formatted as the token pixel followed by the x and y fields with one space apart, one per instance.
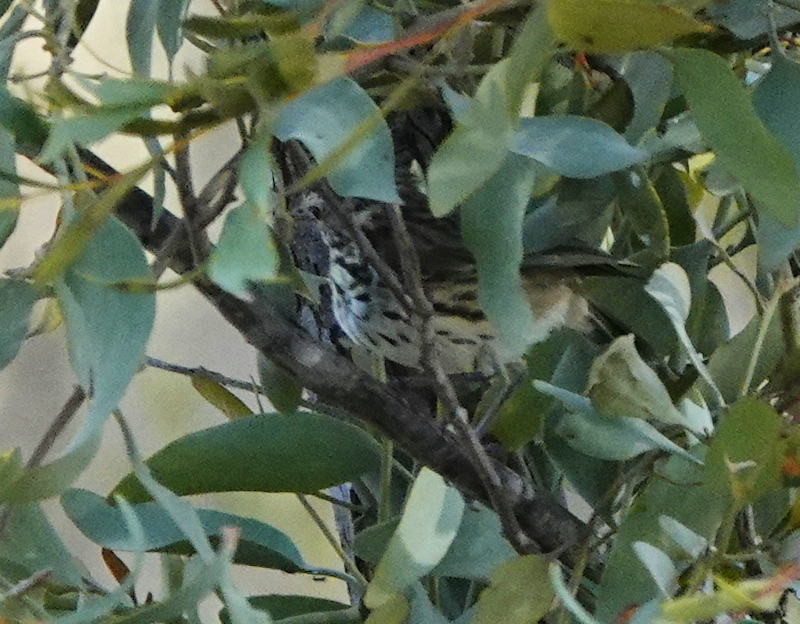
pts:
pixel 659 565
pixel 16 302
pixel 169 22
pixel 622 384
pixel 327 118
pixel 519 592
pixel 281 387
pixel 31 542
pixel 246 252
pixel 478 547
pixel 533 47
pixel 746 18
pixel 678 492
pixel 372 25
pixel 775 99
pixel 617 439
pixel 107 331
pixel 743 144
pixel 22 120
pixel 302 452
pixel 139 29
pixel 743 463
pixel 281 606
pixel 610 26
pixel 476 149
pixel 649 76
pixel 728 364
pixel 220 397
pixel 491 222
pixel 575 147
pixel 260 544
pixel 427 528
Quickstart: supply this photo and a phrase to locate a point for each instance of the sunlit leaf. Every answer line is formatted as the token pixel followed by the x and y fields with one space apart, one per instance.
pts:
pixel 608 26
pixel 429 524
pixel 220 397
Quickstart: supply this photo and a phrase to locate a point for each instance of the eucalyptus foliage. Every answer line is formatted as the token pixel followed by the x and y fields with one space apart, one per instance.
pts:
pixel 651 478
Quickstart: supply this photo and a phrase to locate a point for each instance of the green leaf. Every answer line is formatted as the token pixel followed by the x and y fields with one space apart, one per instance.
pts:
pixel 107 331
pixel 85 129
pixel 575 147
pixel 532 49
pixel 678 492
pixel 491 222
pixel 260 544
pixel 139 29
pixel 476 149
pixel 744 146
pixel 326 118
pixel 743 463
pixel 519 592
pixel 728 365
pixel 169 26
pixel 519 419
pixel 245 253
pixel 31 542
pixel 281 387
pixel 775 99
pixel 16 301
pixel 622 384
pixel 478 547
pixel 371 25
pixel 649 77
pixel 107 327
pixel 639 201
pixel 220 397
pixel 21 120
pixel 301 452
pixel 427 528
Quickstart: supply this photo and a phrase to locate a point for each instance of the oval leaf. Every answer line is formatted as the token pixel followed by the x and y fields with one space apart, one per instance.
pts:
pixel 575 147
pixel 265 453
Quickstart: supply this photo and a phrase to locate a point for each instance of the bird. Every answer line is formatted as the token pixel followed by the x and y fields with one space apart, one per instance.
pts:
pixel 365 269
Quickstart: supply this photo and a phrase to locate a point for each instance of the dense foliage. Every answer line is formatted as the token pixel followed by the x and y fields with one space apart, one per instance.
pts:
pixel 649 475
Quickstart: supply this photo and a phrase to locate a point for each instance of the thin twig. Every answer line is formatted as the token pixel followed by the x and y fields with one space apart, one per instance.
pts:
pixel 349 564
pixel 55 429
pixel 203 373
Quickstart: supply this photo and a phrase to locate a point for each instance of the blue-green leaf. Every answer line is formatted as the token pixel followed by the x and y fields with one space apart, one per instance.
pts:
pixel 139 29
pixel 261 545
pixel 16 301
pixel 246 252
pixel 324 119
pixel 169 25
pixel 575 147
pixel 775 100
